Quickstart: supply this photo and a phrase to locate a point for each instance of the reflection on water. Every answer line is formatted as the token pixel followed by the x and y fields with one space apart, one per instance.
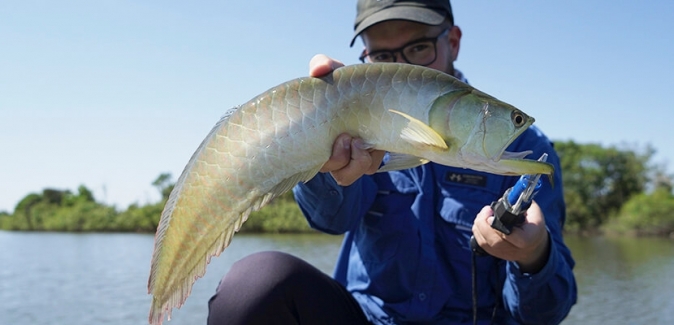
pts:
pixel 72 279
pixel 60 278
pixel 623 280
pixel 55 278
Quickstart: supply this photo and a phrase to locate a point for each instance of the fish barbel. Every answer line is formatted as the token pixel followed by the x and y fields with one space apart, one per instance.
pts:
pixel 264 147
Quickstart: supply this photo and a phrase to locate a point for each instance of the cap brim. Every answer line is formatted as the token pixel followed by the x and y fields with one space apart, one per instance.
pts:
pixel 419 15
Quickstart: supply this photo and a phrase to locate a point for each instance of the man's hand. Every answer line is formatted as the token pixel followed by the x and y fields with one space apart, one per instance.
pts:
pixel 528 244
pixel 350 157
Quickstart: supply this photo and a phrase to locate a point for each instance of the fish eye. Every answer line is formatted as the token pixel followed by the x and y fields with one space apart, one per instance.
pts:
pixel 518 118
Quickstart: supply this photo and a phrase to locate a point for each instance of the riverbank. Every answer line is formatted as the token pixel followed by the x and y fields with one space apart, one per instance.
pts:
pixel 63 211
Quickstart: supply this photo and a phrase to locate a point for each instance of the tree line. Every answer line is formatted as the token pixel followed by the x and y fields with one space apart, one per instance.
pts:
pixel 617 189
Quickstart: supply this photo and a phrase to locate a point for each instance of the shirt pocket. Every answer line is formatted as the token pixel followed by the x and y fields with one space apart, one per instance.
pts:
pixel 390 220
pixel 460 202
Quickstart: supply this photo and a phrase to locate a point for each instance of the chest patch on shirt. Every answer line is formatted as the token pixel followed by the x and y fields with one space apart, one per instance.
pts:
pixel 466 179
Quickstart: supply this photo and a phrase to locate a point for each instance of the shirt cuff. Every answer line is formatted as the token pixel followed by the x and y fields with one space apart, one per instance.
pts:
pixel 522 279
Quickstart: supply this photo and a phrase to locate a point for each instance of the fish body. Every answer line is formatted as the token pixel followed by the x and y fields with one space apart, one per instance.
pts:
pixel 283 136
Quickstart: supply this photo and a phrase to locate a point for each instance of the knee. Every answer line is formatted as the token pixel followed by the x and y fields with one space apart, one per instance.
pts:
pixel 268 268
pixel 260 285
pixel 267 261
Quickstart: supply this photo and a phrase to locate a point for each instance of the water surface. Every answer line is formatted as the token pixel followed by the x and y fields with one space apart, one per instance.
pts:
pixel 63 278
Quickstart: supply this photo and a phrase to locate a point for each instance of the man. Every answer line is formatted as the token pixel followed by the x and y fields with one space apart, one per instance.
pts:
pixel 406 257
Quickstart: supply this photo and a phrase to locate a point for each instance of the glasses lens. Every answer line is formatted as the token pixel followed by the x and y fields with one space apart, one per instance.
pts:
pixel 420 53
pixel 383 56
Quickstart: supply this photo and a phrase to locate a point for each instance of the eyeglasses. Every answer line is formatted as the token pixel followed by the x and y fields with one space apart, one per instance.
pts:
pixel 421 51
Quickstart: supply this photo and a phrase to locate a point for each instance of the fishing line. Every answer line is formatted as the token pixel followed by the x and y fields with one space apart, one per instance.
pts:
pixel 473 272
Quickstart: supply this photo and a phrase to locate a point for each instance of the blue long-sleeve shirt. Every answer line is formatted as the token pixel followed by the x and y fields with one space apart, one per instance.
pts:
pixel 406 256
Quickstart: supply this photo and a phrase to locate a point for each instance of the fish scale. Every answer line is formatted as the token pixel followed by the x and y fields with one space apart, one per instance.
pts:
pixel 283 136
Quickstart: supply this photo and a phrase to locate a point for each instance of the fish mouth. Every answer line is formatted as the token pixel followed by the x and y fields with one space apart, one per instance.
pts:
pixel 514 164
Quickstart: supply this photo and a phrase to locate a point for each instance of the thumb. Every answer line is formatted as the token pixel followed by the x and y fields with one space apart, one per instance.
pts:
pixel 321 65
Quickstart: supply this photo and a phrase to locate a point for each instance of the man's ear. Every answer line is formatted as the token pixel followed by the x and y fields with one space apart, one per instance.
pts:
pixel 455 41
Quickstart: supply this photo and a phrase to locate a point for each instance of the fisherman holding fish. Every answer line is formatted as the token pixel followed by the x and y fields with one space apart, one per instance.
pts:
pixel 406 257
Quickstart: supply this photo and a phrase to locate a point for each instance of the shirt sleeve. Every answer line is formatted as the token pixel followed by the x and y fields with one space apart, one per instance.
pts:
pixel 332 208
pixel 547 296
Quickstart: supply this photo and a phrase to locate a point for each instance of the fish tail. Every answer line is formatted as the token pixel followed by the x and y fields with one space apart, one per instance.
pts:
pixel 161 307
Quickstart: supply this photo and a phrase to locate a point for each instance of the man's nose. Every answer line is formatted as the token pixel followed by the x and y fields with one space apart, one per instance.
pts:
pixel 398 57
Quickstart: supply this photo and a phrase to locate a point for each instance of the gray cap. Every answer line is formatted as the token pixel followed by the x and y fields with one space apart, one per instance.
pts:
pixel 429 12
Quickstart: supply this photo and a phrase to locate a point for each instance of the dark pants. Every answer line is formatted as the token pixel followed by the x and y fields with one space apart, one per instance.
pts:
pixel 277 288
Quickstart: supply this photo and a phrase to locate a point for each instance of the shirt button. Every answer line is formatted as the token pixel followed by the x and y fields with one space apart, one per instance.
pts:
pixel 333 192
pixel 422 296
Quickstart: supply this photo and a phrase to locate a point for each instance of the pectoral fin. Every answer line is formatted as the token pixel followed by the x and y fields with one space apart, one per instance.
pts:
pixel 397 161
pixel 419 134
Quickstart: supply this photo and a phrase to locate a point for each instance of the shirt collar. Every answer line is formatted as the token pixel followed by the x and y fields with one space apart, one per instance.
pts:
pixel 459 75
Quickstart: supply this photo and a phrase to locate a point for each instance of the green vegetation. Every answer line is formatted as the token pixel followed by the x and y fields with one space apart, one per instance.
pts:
pixel 607 189
pixel 615 189
pixel 62 210
pixel 76 212
pixel 646 214
pixel 281 216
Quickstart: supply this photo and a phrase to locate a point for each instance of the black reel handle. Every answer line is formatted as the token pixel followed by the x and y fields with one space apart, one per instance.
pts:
pixel 504 221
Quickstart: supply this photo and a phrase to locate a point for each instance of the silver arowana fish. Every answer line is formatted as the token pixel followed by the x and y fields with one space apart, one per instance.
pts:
pixel 264 147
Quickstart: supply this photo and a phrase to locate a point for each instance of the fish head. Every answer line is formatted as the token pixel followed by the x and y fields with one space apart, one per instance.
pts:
pixel 479 128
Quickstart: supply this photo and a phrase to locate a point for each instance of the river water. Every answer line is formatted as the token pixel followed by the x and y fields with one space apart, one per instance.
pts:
pixel 63 278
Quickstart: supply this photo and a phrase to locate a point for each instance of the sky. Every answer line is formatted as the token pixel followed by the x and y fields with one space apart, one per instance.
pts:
pixel 109 94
